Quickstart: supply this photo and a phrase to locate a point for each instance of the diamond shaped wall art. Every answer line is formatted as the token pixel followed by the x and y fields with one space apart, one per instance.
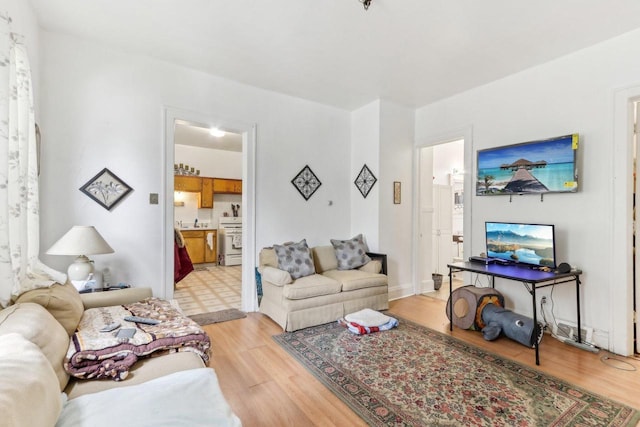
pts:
pixel 365 181
pixel 306 182
pixel 106 189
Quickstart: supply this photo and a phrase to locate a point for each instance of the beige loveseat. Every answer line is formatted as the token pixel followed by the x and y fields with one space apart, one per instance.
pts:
pixel 323 297
pixel 34 338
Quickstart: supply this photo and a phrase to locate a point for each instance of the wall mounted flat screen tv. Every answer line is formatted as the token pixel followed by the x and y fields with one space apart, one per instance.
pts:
pixel 535 167
pixel 531 244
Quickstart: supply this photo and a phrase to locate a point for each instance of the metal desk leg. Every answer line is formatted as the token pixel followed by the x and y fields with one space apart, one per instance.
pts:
pixel 450 300
pixel 578 307
pixel 535 322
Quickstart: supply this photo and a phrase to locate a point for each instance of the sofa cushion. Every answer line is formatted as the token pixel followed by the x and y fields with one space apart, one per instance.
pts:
pixel 350 253
pixel 311 286
pixel 324 258
pixel 62 301
pixel 37 325
pixel 295 258
pixel 276 276
pixel 115 297
pixel 356 279
pixel 144 370
pixel 29 389
pixel 185 398
pixel 373 266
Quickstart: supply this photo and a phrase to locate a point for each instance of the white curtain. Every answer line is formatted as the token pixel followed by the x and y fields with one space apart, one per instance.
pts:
pixel 20 268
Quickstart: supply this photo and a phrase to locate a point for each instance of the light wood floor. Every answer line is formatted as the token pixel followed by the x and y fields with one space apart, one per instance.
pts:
pixel 267 387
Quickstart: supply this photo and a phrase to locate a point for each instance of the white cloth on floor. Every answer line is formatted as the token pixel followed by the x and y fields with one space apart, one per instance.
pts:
pixel 368 318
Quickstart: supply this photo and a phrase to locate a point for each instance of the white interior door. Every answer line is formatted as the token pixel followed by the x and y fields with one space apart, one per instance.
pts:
pixel 442 228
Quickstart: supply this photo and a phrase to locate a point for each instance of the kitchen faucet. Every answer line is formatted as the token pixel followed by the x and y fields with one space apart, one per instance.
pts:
pixel 195 224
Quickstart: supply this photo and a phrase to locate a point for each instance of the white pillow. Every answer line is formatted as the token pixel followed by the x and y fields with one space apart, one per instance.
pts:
pixel 190 398
pixel 29 388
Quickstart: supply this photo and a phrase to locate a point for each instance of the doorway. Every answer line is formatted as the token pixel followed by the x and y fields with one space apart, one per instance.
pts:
pixel 635 267
pixel 173 116
pixel 622 323
pixel 213 158
pixel 442 213
pixel 442 167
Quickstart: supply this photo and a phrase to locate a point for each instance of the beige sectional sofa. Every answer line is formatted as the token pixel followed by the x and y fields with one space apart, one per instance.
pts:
pixel 35 334
pixel 323 297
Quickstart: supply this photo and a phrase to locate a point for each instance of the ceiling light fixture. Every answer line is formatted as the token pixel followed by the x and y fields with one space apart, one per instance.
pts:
pixel 216 132
pixel 365 3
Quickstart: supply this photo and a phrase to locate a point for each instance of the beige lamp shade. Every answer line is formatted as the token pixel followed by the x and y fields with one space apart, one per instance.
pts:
pixel 80 241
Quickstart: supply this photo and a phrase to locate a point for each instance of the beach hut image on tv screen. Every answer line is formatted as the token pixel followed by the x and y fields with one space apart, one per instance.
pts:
pixel 535 167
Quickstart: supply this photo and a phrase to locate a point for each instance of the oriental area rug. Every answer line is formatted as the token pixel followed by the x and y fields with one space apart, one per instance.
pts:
pixel 414 376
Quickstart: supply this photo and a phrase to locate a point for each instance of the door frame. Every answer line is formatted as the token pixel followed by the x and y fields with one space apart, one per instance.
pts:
pixel 621 323
pixel 249 296
pixel 466 134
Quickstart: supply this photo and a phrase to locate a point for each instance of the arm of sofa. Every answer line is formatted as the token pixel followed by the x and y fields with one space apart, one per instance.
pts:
pixel 373 266
pixel 276 276
pixel 379 257
pixel 117 297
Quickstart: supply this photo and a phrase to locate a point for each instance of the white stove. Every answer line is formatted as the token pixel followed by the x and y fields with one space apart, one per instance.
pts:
pixel 230 240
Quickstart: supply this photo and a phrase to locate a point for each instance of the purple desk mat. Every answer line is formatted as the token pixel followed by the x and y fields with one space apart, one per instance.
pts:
pixel 513 272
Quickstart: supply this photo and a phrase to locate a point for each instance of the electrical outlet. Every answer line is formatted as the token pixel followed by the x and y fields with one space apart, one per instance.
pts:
pixel 543 300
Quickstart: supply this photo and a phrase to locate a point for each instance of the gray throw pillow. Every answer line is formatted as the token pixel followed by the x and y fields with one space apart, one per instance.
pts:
pixel 295 258
pixel 350 253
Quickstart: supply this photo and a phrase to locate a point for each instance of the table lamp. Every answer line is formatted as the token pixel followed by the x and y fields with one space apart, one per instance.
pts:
pixel 81 240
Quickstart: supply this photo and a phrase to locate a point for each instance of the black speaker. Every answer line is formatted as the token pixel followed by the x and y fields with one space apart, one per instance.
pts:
pixel 563 268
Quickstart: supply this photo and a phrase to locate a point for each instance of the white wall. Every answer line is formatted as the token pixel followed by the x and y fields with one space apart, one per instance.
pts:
pixel 448 157
pixel 211 162
pixel 382 138
pixel 571 94
pixel 365 150
pixel 104 108
pixel 395 225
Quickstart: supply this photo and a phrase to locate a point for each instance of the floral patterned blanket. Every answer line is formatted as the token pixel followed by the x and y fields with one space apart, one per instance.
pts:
pixel 93 354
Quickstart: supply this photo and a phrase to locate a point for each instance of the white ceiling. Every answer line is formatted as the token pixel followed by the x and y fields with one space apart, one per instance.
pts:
pixel 411 52
pixel 194 135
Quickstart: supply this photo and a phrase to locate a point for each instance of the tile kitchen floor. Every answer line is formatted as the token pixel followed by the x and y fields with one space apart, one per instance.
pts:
pixel 209 288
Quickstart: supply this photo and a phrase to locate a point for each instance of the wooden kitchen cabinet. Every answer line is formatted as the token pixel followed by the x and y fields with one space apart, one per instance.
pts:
pixel 187 183
pixel 211 254
pixel 197 247
pixel 227 186
pixel 206 196
pixel 195 243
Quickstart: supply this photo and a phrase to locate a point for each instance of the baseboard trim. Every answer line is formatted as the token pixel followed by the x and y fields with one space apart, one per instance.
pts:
pixel 401 291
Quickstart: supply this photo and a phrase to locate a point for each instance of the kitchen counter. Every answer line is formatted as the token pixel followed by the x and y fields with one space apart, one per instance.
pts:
pixel 191 227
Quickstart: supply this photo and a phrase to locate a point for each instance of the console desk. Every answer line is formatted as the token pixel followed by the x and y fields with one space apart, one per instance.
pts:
pixel 530 278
